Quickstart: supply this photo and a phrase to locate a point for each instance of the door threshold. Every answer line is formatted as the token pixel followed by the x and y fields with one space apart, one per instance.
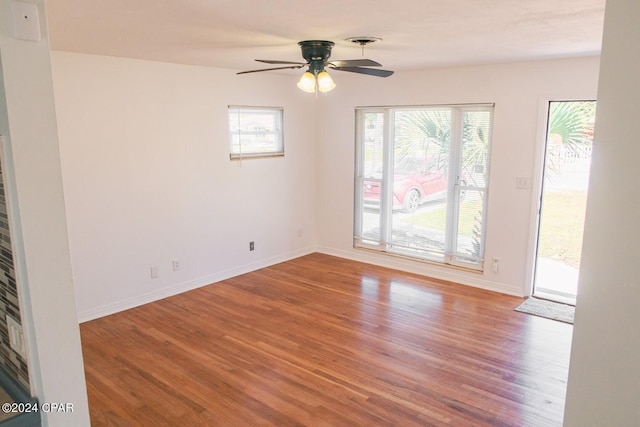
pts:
pixel 555 296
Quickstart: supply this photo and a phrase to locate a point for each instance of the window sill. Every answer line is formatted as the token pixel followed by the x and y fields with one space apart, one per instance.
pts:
pixel 458 267
pixel 254 155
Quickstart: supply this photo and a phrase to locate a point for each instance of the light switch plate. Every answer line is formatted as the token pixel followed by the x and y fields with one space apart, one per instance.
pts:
pixel 26 23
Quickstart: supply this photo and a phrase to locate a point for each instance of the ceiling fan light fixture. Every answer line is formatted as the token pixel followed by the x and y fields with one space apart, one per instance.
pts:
pixel 316 53
pixel 307 82
pixel 325 82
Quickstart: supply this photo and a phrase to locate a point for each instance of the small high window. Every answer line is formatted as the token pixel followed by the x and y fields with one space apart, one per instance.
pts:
pixel 255 132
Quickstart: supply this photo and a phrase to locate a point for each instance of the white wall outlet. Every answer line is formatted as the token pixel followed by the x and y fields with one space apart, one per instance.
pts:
pixel 176 265
pixel 16 338
pixel 26 23
pixel 522 183
pixel 495 265
pixel 154 271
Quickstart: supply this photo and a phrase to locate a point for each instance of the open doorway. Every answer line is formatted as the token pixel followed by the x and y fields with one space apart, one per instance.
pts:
pixel 563 199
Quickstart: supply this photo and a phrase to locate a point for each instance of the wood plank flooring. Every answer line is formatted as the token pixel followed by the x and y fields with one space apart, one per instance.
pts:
pixel 323 341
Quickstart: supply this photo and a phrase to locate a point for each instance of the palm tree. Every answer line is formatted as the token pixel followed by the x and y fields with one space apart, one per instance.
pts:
pixel 570 132
pixel 429 131
pixel 475 146
pixel 424 130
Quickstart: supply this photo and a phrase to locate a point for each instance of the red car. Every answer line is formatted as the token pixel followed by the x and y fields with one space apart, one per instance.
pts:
pixel 416 180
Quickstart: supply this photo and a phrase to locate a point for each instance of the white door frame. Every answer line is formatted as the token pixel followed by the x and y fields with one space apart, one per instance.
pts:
pixel 536 185
pixel 536 192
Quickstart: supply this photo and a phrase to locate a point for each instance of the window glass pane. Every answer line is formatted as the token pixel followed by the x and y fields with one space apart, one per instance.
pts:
pixel 470 224
pixel 255 131
pixel 420 177
pixel 474 161
pixel 476 129
pixel 373 139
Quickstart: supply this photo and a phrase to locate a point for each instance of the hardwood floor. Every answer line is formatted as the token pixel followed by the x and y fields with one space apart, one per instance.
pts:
pixel 323 341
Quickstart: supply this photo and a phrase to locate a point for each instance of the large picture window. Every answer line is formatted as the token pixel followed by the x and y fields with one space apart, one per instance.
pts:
pixel 421 181
pixel 255 132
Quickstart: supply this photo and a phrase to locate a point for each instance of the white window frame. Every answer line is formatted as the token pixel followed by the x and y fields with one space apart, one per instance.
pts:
pixel 244 141
pixel 450 256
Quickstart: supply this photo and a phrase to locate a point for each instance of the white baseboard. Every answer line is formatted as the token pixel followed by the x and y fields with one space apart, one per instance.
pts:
pixel 126 304
pixel 451 275
pixel 442 273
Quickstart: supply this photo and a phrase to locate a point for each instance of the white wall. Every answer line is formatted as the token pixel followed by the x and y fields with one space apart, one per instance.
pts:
pixel 148 179
pixel 604 374
pixel 147 176
pixel 40 242
pixel 517 89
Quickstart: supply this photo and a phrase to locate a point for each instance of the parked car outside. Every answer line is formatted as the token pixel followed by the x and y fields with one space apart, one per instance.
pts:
pixel 416 180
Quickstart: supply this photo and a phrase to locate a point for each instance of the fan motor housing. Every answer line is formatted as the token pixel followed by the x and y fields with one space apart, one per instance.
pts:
pixel 316 52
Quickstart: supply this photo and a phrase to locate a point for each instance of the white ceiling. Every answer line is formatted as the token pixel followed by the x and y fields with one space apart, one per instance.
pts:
pixel 416 33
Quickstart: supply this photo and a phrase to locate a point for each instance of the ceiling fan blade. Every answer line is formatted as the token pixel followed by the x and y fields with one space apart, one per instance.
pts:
pixel 370 71
pixel 292 67
pixel 271 61
pixel 354 63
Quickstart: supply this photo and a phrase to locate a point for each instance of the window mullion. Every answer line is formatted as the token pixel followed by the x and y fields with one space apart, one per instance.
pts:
pixel 359 167
pixel 386 191
pixel 453 190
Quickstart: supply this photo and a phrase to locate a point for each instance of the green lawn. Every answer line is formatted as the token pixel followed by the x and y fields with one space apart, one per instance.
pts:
pixel 561 226
pixel 436 218
pixel 560 229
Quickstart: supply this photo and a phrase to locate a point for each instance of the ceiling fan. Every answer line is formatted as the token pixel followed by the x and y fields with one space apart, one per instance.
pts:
pixel 317 53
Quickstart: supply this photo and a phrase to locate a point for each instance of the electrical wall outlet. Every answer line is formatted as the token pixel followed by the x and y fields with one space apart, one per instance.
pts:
pixel 154 271
pixel 16 338
pixel 176 265
pixel 522 183
pixel 496 265
pixel 251 246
